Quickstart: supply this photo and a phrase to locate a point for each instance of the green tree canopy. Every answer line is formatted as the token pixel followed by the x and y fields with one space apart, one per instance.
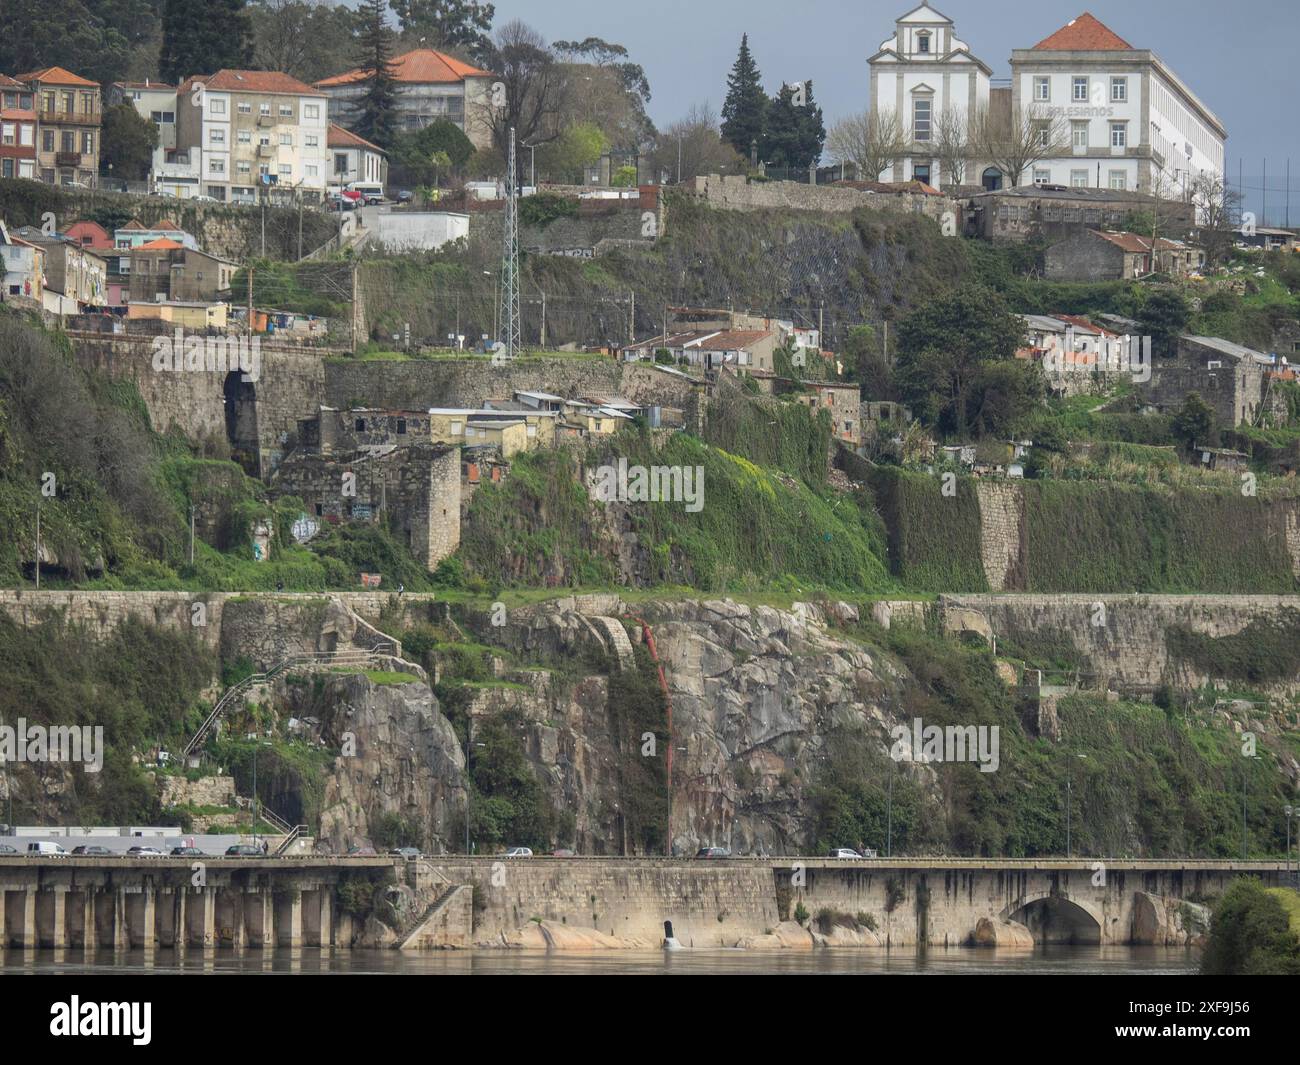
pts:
pixel 129 140
pixel 942 348
pixel 795 131
pixel 460 25
pixel 1163 317
pixel 204 38
pixel 1250 934
pixel 744 112
pixel 1194 423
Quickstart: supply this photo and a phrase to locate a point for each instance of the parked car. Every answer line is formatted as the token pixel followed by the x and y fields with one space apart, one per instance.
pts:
pixel 6 849
pixel 90 850
pixel 404 196
pixel 518 852
pixel 713 852
pixel 844 852
pixel 405 852
pixel 243 850
pixel 144 852
pixel 204 199
pixel 187 852
pixel 361 852
pixel 45 847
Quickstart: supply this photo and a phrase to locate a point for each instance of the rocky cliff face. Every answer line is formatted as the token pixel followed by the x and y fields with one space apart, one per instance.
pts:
pixel 400 757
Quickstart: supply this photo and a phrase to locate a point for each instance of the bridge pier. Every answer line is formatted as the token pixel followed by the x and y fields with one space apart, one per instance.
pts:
pixel 288 918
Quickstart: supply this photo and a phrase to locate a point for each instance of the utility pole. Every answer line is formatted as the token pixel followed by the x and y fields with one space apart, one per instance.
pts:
pixel 631 323
pixel 889 812
pixel 191 534
pixel 543 321
pixel 38 545
pixel 509 289
pixel 300 225
pixel 250 300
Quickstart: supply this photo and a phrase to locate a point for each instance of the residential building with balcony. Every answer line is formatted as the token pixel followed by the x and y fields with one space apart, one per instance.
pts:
pixel 247 130
pixel 17 129
pixel 22 268
pixel 1132 122
pixel 171 172
pixel 76 278
pixel 164 270
pixel 431 86
pixel 69 115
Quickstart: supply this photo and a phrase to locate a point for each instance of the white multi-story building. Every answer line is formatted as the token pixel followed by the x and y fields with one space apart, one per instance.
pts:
pixel 918 74
pixel 251 129
pixel 1130 121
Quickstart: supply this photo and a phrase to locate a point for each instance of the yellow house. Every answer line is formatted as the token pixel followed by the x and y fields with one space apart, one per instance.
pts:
pixel 188 315
pixel 453 425
pixel 510 437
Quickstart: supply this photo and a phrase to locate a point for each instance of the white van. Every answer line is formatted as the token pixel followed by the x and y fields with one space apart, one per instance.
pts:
pixel 47 848
pixel 373 191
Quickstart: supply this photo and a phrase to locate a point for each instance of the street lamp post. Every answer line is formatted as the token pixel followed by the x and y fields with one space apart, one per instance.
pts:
pixel 1289 811
pixel 889 812
pixel 468 745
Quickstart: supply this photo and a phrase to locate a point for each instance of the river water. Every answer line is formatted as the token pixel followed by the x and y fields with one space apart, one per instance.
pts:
pixel 1078 960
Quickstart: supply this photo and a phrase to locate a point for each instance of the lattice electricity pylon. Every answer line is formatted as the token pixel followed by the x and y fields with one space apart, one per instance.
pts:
pixel 511 336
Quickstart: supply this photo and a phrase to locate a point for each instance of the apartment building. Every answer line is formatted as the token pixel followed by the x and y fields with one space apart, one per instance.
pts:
pixel 247 130
pixel 923 73
pixel 431 86
pixel 171 173
pixel 1133 123
pixel 17 129
pixel 69 114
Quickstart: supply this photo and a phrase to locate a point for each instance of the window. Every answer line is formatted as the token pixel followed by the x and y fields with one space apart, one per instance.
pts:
pixel 1119 134
pixel 244 136
pixel 216 136
pixel 286 111
pixel 68 141
pixel 47 140
pixel 216 166
pixel 401 426
pixel 1118 90
pixel 263 109
pixel 69 103
pixel 456 428
pixel 1118 179
pixel 8 133
pixel 216 106
pixel 1042 177
pixel 923 43
pixel 245 168
pixel 163 118
pixel 6 168
pixel 921 118
pixel 340 163
pixel 313 171
pixel 1080 94
pixel 312 141
pixel 1044 135
pixel 26 134
pixel 88 143
pixel 1042 89
pixel 245 108
pixel 1079 136
pixel 286 170
pixel 1078 179
pixel 921 172
pixel 286 140
pixel 311 110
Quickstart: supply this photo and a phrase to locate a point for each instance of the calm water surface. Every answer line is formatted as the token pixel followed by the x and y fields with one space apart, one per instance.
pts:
pixel 1044 960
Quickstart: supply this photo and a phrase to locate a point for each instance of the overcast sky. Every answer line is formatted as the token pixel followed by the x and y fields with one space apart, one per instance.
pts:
pixel 1238 57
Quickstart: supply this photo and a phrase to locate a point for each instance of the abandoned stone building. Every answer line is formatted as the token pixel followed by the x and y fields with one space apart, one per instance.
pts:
pixel 365 466
pixel 1232 379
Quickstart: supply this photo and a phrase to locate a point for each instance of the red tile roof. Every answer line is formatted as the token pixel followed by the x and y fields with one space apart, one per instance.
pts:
pixel 262 81
pixel 161 86
pixel 161 244
pixel 57 76
pixel 10 83
pixel 733 339
pixel 345 138
pixel 1084 34
pixel 423 65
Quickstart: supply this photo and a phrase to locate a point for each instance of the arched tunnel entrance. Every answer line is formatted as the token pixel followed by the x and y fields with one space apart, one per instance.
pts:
pixel 1057 920
pixel 241 421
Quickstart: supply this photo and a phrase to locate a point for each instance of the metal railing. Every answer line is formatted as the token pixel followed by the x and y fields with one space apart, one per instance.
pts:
pixel 383 649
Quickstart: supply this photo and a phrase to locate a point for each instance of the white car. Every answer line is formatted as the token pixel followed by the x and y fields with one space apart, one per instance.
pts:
pixel 144 852
pixel 519 852
pixel 845 852
pixel 47 849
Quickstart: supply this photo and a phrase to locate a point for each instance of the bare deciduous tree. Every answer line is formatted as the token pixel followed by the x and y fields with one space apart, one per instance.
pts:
pixel 871 141
pixel 1217 204
pixel 951 145
pixel 532 87
pixel 1016 139
pixel 696 143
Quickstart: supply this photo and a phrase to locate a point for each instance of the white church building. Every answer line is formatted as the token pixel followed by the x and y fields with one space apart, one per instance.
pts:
pixel 922 71
pixel 1129 121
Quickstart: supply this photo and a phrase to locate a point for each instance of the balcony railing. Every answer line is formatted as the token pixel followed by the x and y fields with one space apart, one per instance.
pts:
pixel 74 118
pixel 67 158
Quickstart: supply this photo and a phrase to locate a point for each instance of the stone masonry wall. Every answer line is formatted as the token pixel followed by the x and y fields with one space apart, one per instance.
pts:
pixel 737 193
pixel 1002 540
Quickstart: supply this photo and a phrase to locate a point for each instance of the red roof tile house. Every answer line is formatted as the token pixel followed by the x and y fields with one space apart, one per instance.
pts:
pixel 17 129
pixel 1093 255
pixel 431 86
pixel 69 114
pixel 353 158
pixel 1128 120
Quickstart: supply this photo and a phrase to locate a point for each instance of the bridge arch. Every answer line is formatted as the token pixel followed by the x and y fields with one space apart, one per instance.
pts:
pixel 1056 918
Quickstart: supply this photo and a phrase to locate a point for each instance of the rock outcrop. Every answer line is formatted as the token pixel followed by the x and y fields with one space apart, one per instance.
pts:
pixel 1167 922
pixel 994 932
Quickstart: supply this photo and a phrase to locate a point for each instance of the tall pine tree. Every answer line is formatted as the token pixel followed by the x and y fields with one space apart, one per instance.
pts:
pixel 376 116
pixel 744 114
pixel 795 130
pixel 204 38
